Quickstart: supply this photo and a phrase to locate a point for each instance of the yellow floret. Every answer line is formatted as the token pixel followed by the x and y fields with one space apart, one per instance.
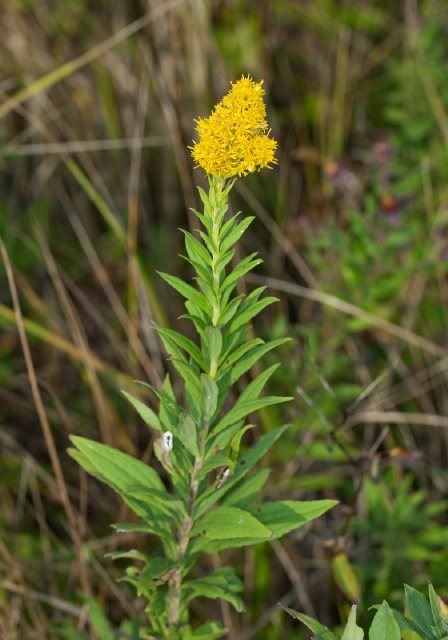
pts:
pixel 234 140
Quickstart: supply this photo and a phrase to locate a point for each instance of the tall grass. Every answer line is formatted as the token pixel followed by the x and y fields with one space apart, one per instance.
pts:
pixel 96 117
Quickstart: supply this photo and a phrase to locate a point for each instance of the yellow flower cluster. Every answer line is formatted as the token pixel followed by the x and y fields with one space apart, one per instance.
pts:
pixel 234 139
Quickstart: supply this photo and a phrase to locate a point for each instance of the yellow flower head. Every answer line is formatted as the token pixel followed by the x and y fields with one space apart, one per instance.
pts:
pixel 234 139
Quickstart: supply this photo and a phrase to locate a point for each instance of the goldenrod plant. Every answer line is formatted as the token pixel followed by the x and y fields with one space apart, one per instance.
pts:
pixel 203 500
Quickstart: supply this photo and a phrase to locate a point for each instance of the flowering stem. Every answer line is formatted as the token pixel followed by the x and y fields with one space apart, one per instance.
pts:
pixel 217 191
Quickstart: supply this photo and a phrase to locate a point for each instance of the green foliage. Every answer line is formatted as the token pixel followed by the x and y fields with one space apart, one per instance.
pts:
pixel 203 511
pixel 423 620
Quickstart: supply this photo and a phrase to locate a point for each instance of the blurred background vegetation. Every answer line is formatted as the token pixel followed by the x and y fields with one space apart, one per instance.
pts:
pixel 97 109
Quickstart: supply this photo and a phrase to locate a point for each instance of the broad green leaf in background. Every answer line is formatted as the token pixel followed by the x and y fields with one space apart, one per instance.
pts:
pixel 320 631
pixel 384 626
pixel 352 631
pixel 419 611
pixel 345 577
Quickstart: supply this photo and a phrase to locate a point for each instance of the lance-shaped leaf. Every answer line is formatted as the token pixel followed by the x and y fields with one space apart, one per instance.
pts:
pixel 224 523
pixel 319 630
pixel 209 396
pixel 284 516
pixel 247 491
pixel 384 625
pixel 222 583
pixel 185 343
pixel 242 410
pixel 352 631
pixel 253 356
pixel 419 611
pixel 188 434
pixel 188 292
pixel 144 411
pixel 196 250
pixel 157 572
pixel 232 231
pixel 243 466
pixel 214 343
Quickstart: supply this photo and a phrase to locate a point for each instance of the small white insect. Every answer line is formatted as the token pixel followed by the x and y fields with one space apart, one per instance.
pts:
pixel 167 442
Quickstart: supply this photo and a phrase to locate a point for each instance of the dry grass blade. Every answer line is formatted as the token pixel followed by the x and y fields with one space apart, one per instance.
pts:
pixel 49 441
pixel 351 310
pixel 68 68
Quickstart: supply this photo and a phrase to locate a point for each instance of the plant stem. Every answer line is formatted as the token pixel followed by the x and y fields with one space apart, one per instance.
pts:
pixel 217 185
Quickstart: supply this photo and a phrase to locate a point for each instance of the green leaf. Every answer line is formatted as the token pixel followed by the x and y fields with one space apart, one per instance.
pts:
pixel 99 621
pixel 185 343
pixel 145 412
pixel 229 310
pixel 119 471
pixel 253 356
pixel 345 577
pixel 436 612
pixel 214 343
pixel 284 516
pixel 189 292
pixel 384 625
pixel 419 611
pixel 206 202
pixel 166 502
pixel 224 523
pixel 320 631
pixel 243 466
pixel 407 625
pixel 204 219
pixel 352 631
pixel 195 249
pixel 239 352
pixel 232 231
pixel 254 388
pixel 222 583
pixel 245 265
pixel 223 261
pixel 209 631
pixel 155 573
pixel 243 317
pixel 209 396
pixel 188 434
pixel 247 491
pixel 242 410
pixel 218 460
